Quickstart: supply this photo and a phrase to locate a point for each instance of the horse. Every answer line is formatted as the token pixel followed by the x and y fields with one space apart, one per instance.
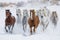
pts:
pixel 33 21
pixel 54 17
pixel 18 13
pixel 43 18
pixel 24 20
pixel 9 22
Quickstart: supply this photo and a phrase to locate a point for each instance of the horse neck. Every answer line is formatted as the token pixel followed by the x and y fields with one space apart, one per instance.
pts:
pixel 33 15
pixel 9 17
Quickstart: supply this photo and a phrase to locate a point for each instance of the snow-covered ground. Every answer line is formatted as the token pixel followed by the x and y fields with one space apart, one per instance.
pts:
pixel 50 33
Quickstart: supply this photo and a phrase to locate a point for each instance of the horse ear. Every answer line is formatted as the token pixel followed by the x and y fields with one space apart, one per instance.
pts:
pixel 7 10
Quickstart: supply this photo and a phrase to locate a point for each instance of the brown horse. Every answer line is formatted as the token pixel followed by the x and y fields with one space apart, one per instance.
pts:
pixel 9 21
pixel 33 21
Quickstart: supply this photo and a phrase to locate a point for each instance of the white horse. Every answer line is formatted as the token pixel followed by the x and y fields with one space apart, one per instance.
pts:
pixel 24 20
pixel 18 13
pixel 43 15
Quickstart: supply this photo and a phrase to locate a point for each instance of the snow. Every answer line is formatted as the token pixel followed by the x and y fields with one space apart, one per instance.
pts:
pixel 51 33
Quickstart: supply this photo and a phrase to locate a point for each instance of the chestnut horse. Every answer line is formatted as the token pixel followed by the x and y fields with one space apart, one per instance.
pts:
pixel 33 21
pixel 9 21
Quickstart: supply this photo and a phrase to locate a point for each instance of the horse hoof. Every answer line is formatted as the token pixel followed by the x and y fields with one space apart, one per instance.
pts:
pixel 6 30
pixel 31 33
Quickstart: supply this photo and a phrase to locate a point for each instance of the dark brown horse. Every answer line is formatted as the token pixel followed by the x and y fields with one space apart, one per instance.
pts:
pixel 33 21
pixel 9 21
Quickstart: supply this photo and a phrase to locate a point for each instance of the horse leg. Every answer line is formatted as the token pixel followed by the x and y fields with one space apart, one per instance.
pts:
pixel 43 27
pixel 6 29
pixel 23 28
pixel 12 28
pixel 55 23
pixel 30 29
pixel 9 27
pixel 34 28
pixel 46 25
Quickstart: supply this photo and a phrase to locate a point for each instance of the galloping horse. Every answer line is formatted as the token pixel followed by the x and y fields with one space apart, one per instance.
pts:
pixel 43 16
pixel 24 20
pixel 9 21
pixel 54 18
pixel 18 13
pixel 33 21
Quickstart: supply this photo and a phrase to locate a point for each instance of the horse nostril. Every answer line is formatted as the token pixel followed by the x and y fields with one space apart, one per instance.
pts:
pixel 41 16
pixel 17 14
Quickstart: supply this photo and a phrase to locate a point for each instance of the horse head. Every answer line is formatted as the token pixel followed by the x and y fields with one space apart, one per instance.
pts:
pixel 25 13
pixel 54 14
pixel 32 13
pixel 8 13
